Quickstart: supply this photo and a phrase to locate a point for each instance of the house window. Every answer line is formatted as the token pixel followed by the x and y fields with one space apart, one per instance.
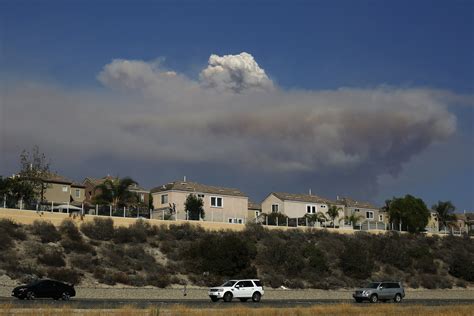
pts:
pixel 235 220
pixel 216 201
pixel 323 206
pixel 78 193
pixel 369 214
pixel 142 197
pixel 64 188
pixel 274 208
pixel 201 196
pixel 257 213
pixel 356 210
pixel 164 198
pixel 311 209
pixel 381 218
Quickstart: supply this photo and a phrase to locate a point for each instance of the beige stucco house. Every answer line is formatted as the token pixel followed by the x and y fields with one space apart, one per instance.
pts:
pixel 366 211
pixel 298 205
pixel 60 190
pixel 220 204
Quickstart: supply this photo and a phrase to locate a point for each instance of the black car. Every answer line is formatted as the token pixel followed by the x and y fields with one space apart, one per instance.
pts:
pixel 45 289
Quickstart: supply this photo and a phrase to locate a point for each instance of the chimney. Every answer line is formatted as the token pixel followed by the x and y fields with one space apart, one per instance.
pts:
pixel 184 178
pixel 309 191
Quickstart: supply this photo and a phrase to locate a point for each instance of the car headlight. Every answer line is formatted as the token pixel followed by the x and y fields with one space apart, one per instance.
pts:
pixel 365 293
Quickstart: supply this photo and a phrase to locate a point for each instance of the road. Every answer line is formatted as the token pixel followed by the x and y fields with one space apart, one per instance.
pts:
pixel 117 303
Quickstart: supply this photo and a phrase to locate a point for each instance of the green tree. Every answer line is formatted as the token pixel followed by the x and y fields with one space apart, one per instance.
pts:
pixel 445 212
pixel 194 206
pixel 34 170
pixel 275 218
pixel 354 218
pixel 115 192
pixel 333 212
pixel 410 212
pixel 16 189
pixel 318 217
pixel 356 260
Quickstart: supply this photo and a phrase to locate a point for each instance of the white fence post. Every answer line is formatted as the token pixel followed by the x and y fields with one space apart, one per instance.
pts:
pixel 52 205
pixel 4 201
pixel 68 207
pixel 124 211
pixel 110 209
pixel 277 220
pixel 163 211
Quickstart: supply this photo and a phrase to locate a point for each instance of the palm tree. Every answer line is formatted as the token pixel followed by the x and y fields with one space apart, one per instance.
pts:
pixel 353 218
pixel 445 212
pixel 115 192
pixel 318 217
pixel 333 212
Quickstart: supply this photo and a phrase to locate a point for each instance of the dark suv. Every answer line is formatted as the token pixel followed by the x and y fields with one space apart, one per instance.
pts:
pixel 380 291
pixel 45 288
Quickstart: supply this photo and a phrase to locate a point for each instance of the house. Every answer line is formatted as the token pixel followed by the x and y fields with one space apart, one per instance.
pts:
pixel 90 184
pixel 61 190
pixel 298 205
pixel 254 210
pixel 367 212
pixel 220 204
pixel 465 222
pixel 433 222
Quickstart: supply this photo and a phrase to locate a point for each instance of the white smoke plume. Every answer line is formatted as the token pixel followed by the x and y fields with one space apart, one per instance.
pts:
pixel 236 73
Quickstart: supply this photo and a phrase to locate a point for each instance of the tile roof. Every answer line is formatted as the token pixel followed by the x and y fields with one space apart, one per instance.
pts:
pixel 56 178
pixel 96 182
pixel 354 203
pixel 254 206
pixel 302 198
pixel 198 188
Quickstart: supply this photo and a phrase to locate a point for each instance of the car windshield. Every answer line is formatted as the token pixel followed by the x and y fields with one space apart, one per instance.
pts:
pixel 229 283
pixel 373 285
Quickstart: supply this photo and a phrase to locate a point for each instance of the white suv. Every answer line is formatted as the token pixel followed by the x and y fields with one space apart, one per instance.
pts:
pixel 241 289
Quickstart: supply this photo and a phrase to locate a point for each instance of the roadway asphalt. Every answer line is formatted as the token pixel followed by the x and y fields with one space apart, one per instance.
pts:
pixel 117 303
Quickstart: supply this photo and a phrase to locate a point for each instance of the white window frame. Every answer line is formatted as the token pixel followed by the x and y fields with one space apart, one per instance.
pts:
pixel 201 196
pixel 142 197
pixel 380 217
pixel 235 220
pixel 64 188
pixel 77 193
pixel 312 208
pixel 369 212
pixel 257 213
pixel 277 208
pixel 162 197
pixel 217 204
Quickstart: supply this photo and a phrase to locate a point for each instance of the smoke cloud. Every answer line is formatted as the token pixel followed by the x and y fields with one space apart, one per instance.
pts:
pixel 232 116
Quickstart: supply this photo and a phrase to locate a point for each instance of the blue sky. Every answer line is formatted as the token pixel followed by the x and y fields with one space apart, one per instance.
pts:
pixel 302 46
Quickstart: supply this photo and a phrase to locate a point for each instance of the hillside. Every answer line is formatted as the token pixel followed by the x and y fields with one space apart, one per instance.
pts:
pixel 142 255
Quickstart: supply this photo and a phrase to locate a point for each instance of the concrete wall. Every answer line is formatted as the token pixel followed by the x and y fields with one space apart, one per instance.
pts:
pixel 232 206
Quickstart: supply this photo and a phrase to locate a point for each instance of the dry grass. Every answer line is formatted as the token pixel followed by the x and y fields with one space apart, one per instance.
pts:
pixel 337 309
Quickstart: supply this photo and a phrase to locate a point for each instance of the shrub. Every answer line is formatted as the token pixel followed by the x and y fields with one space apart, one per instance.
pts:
pixel 356 261
pixel 12 229
pixel 84 261
pixel 6 241
pixel 99 228
pixel 462 266
pixel 160 280
pixel 66 275
pixel 77 246
pixel 52 258
pixel 69 230
pixel 122 235
pixel 46 231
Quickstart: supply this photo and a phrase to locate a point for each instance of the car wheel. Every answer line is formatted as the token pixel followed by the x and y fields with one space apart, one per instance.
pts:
pixel 30 295
pixel 358 300
pixel 227 297
pixel 65 296
pixel 397 298
pixel 214 299
pixel 244 299
pixel 374 298
pixel 256 297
